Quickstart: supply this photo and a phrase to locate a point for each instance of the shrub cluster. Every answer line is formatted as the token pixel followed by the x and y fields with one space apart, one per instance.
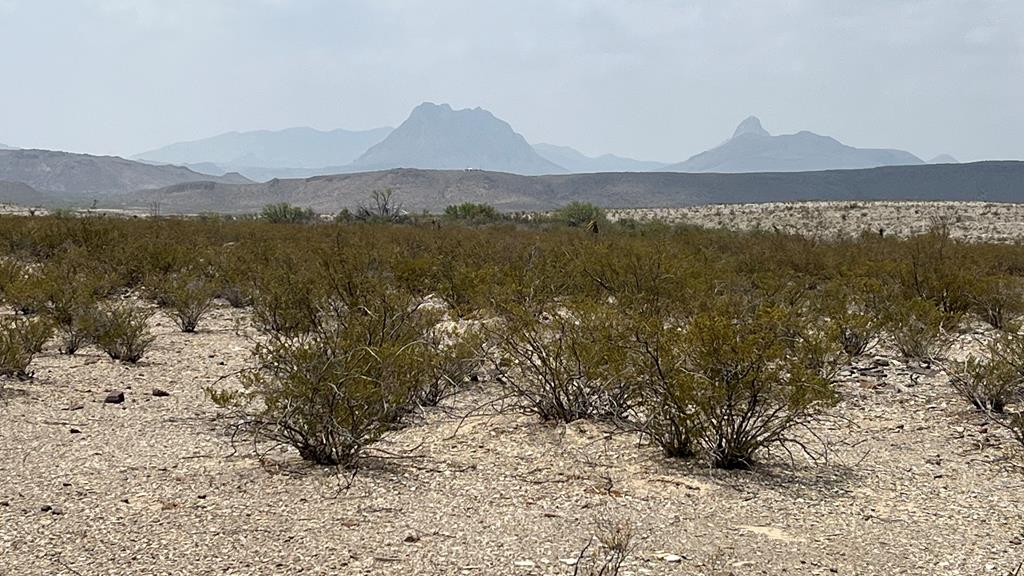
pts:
pixel 712 343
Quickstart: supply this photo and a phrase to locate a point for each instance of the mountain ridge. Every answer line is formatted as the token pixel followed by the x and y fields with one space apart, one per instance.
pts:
pixel 68 175
pixel 578 163
pixel 433 190
pixel 754 149
pixel 437 137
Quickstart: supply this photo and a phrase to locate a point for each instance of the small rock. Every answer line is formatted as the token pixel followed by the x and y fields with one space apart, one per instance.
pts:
pixel 56 511
pixel 1016 540
pixel 73 407
pixel 5 503
pixel 160 393
pixel 45 508
pixel 524 564
pixel 411 538
pixel 673 558
pixel 115 397
pixel 568 561
pixel 75 431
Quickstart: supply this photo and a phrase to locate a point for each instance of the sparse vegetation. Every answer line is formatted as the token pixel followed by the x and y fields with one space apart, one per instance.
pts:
pixel 284 213
pixel 20 340
pixel 122 331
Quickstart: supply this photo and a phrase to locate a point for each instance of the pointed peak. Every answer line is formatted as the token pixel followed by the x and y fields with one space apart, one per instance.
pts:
pixel 752 125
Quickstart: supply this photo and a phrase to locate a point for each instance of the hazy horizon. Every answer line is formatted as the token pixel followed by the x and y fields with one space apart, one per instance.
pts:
pixel 650 79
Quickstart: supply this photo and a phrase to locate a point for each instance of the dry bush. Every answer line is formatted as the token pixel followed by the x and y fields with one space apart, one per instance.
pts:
pixel 988 384
pixel 564 365
pixel 736 380
pixel 188 297
pixel 122 331
pixel 998 300
pixel 615 543
pixel 453 358
pixel 20 340
pixel 918 329
pixel 332 392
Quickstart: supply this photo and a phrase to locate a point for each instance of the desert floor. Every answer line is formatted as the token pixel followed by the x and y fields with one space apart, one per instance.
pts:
pixel 912 482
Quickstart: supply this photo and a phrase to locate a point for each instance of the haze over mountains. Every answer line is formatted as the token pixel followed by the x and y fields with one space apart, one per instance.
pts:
pixel 435 136
pixel 70 177
pixel 439 138
pixel 754 149
pixel 293 148
pixel 5 147
pixel 440 156
pixel 575 161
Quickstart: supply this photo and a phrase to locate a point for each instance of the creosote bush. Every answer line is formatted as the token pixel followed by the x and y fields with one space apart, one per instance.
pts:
pixel 918 328
pixel 736 380
pixel 188 297
pixel 563 364
pixel 20 340
pixel 284 213
pixel 333 391
pixel 122 331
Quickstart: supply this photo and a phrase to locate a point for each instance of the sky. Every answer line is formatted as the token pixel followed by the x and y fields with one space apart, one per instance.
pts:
pixel 651 79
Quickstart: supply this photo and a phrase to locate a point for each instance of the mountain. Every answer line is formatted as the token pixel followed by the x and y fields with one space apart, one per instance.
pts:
pixel 437 137
pixel 267 149
pixel 754 149
pixel 943 159
pixel 575 161
pixel 6 147
pixel 21 194
pixel 432 190
pixel 68 176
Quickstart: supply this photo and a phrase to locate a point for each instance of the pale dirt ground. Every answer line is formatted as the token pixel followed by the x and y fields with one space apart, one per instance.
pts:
pixel 915 483
pixel 968 220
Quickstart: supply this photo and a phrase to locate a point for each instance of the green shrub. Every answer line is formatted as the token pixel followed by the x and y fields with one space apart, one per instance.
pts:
pixel 998 300
pixel 989 384
pixel 122 331
pixel 918 328
pixel 736 380
pixel 564 365
pixel 188 298
pixel 20 340
pixel 580 214
pixel 453 357
pixel 77 328
pixel 473 213
pixel 333 392
pixel 284 213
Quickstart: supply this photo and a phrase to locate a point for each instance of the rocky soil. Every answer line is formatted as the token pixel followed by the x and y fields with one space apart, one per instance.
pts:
pixel 913 482
pixel 975 221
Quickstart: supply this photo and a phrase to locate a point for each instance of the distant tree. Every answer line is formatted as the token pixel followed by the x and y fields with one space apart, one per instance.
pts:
pixel 383 209
pixel 284 213
pixel 581 214
pixel 472 212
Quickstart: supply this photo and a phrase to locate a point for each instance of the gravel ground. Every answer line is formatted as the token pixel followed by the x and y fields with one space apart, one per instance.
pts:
pixel 914 483
pixel 968 220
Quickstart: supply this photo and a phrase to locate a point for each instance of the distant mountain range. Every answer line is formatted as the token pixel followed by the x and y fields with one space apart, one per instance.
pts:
pixel 574 161
pixel 433 190
pixel 439 138
pixel 66 176
pixel 293 148
pixel 6 147
pixel 754 149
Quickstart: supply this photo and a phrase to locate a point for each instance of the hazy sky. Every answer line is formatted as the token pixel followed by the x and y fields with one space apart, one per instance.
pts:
pixel 656 79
